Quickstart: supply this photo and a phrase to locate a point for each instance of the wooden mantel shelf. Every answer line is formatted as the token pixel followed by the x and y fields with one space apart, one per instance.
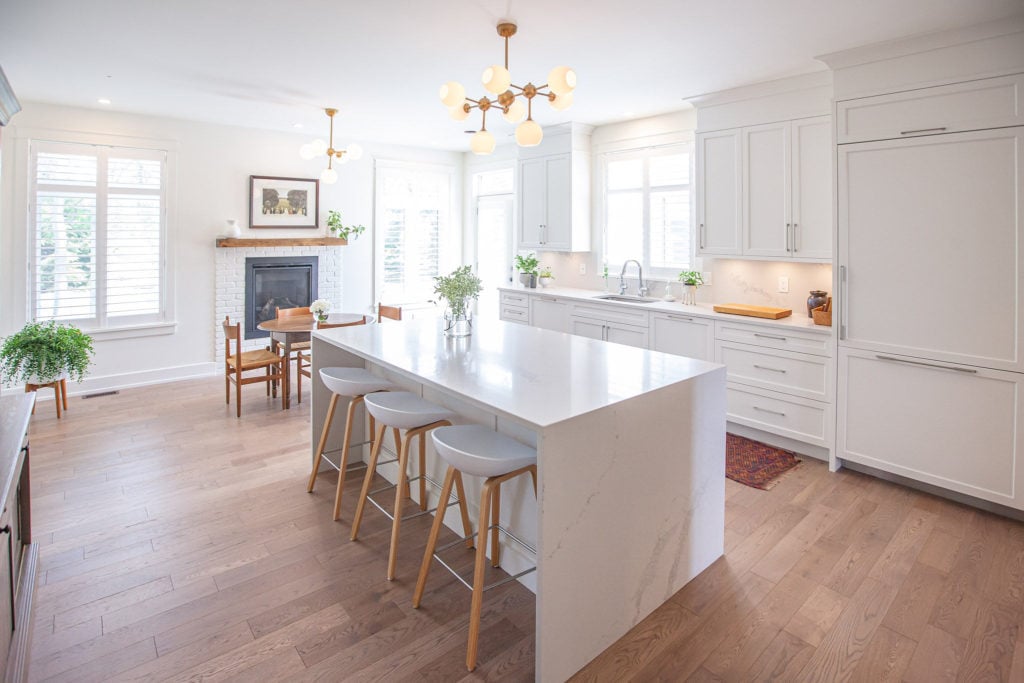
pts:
pixel 282 242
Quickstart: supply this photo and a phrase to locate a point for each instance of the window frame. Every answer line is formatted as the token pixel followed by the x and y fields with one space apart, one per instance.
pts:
pixel 645 153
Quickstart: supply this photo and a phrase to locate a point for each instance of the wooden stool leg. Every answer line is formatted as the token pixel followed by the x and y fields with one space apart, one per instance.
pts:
pixel 227 389
pixel 56 396
pixel 323 441
pixel 398 448
pixel 435 530
pixel 238 394
pixel 478 576
pixel 371 468
pixel 64 393
pixel 423 471
pixel 267 373
pixel 396 524
pixel 298 382
pixel 495 509
pixel 467 527
pixel 343 458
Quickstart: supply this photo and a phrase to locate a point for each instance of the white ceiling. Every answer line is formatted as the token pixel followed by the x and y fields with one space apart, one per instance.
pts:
pixel 271 64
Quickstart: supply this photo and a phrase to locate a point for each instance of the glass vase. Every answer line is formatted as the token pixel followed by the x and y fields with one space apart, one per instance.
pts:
pixel 457 324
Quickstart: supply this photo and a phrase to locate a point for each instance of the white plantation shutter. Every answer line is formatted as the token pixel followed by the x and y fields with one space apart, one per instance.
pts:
pixel 98 227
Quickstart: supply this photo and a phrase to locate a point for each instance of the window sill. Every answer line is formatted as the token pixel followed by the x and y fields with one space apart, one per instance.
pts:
pixel 133 331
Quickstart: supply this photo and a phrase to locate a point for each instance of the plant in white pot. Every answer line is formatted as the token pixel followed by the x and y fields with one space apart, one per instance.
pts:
pixel 545 276
pixel 527 267
pixel 691 279
pixel 457 288
pixel 43 353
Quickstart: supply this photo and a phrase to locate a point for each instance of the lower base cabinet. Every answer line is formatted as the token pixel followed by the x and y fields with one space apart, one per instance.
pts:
pixel 956 427
pixel 683 335
pixel 609 331
pixel 549 313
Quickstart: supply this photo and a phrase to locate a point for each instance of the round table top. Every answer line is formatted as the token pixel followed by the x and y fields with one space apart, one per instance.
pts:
pixel 307 323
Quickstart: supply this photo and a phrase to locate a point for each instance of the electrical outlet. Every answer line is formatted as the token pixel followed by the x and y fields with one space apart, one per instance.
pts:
pixel 583 269
pixel 707 277
pixel 783 284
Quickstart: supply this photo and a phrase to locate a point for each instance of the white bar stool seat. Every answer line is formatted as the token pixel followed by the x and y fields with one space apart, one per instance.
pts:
pixel 357 383
pixel 403 410
pixel 480 451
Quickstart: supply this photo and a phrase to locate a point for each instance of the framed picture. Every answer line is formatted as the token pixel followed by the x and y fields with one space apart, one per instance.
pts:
pixel 284 202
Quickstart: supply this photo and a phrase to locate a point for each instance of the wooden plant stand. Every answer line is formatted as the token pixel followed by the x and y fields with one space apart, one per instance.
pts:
pixel 60 393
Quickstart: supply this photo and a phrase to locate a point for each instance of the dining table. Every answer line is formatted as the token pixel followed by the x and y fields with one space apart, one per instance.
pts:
pixel 287 332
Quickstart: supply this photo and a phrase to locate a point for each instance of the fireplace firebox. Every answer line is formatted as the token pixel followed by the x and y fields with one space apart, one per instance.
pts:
pixel 275 282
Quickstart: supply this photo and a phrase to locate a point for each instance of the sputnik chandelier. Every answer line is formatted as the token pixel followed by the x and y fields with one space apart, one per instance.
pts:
pixel 498 81
pixel 319 148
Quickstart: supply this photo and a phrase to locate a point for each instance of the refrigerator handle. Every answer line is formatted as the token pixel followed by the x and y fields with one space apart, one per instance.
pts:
pixel 842 303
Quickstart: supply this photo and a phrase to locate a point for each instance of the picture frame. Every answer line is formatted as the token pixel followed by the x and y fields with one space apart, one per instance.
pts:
pixel 278 202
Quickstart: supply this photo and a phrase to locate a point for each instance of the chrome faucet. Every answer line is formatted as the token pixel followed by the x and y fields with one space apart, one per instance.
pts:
pixel 641 288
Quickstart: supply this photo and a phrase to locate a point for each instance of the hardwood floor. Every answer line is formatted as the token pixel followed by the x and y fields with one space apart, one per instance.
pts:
pixel 178 542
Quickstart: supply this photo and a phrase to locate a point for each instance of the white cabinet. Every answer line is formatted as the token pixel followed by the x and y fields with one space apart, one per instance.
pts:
pixel 683 335
pixel 554 200
pixel 718 198
pixel 619 324
pixel 811 188
pixel 766 222
pixel 931 248
pixel 533 207
pixel 952 426
pixel 549 312
pixel 514 307
pixel 584 327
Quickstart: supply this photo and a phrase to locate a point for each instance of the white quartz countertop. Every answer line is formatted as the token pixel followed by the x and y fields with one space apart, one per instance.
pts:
pixel 798 320
pixel 535 376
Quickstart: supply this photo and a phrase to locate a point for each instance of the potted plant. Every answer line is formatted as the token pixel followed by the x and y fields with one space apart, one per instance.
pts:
pixel 457 288
pixel 343 231
pixel 691 279
pixel 44 352
pixel 527 267
pixel 320 308
pixel 544 277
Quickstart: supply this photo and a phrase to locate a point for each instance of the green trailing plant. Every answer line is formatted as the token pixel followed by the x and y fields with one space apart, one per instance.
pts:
pixel 691 277
pixel 527 265
pixel 545 271
pixel 340 230
pixel 457 288
pixel 45 351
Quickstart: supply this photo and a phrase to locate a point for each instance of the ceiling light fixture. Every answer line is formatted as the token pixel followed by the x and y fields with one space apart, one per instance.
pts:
pixel 498 81
pixel 318 148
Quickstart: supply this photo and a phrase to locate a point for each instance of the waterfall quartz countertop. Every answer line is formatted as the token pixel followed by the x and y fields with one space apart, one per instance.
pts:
pixel 798 320
pixel 630 457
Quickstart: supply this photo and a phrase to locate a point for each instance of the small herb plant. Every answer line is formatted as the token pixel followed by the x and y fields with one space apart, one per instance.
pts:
pixel 44 352
pixel 527 265
pixel 457 288
pixel 691 277
pixel 343 231
pixel 545 271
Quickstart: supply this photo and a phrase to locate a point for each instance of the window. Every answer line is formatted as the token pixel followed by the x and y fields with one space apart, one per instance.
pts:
pixel 415 239
pixel 97 217
pixel 493 190
pixel 647 209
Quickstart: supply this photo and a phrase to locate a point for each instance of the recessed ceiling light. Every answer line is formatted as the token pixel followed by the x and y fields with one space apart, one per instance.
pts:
pixel 103 100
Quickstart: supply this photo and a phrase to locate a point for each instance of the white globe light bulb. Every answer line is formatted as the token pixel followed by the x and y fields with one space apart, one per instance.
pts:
pixel 482 142
pixel 561 102
pixel 452 93
pixel 342 160
pixel 496 79
pixel 516 112
pixel 458 113
pixel 319 147
pixel 529 134
pixel 329 176
pixel 562 80
pixel 307 152
pixel 354 152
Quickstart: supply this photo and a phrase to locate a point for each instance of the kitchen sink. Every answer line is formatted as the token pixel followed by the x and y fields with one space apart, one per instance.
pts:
pixel 626 298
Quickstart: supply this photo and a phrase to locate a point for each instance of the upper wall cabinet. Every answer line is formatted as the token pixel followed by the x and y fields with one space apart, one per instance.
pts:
pixel 554 195
pixel 766 191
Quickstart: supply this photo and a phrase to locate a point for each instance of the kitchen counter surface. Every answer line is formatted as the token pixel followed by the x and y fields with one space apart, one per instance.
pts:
pixel 798 320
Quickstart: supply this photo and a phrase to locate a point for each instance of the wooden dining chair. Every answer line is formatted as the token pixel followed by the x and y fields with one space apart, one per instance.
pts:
pixel 390 312
pixel 304 361
pixel 238 362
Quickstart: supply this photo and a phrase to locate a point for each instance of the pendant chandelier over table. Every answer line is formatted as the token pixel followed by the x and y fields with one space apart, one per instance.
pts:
pixel 498 81
pixel 319 148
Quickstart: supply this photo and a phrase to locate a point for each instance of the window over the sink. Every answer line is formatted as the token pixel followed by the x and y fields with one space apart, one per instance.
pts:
pixel 647 209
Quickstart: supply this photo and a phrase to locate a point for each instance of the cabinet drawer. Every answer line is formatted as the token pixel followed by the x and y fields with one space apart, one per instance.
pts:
pixel 618 314
pixel 798 374
pixel 515 314
pixel 973 105
pixel 789 416
pixel 790 340
pixel 515 299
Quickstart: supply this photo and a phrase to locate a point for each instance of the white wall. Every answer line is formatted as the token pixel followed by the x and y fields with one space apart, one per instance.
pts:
pixel 212 185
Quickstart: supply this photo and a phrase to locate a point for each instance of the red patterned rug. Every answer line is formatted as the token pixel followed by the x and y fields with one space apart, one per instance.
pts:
pixel 754 463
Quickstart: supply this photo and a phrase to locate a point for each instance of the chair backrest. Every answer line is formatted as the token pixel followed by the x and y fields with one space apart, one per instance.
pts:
pixel 391 312
pixel 232 332
pixel 292 312
pixel 327 326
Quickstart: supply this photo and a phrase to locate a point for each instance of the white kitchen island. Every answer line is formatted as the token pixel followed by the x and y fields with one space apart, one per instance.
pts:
pixel 631 462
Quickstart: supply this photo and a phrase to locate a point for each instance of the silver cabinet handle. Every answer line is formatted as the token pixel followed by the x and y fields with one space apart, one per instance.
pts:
pixel 970 371
pixel 794 238
pixel 773 412
pixel 788 226
pixel 765 367
pixel 842 302
pixel 769 336
pixel 680 317
pixel 701 236
pixel 923 130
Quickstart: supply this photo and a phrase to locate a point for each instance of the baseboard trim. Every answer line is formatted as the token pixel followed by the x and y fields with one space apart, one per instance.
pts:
pixel 128 380
pixel 785 443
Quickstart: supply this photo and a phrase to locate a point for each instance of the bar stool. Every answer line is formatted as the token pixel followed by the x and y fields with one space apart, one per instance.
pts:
pixel 404 410
pixel 481 452
pixel 354 382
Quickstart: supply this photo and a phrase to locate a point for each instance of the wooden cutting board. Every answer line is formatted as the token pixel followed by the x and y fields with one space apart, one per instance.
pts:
pixel 754 311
